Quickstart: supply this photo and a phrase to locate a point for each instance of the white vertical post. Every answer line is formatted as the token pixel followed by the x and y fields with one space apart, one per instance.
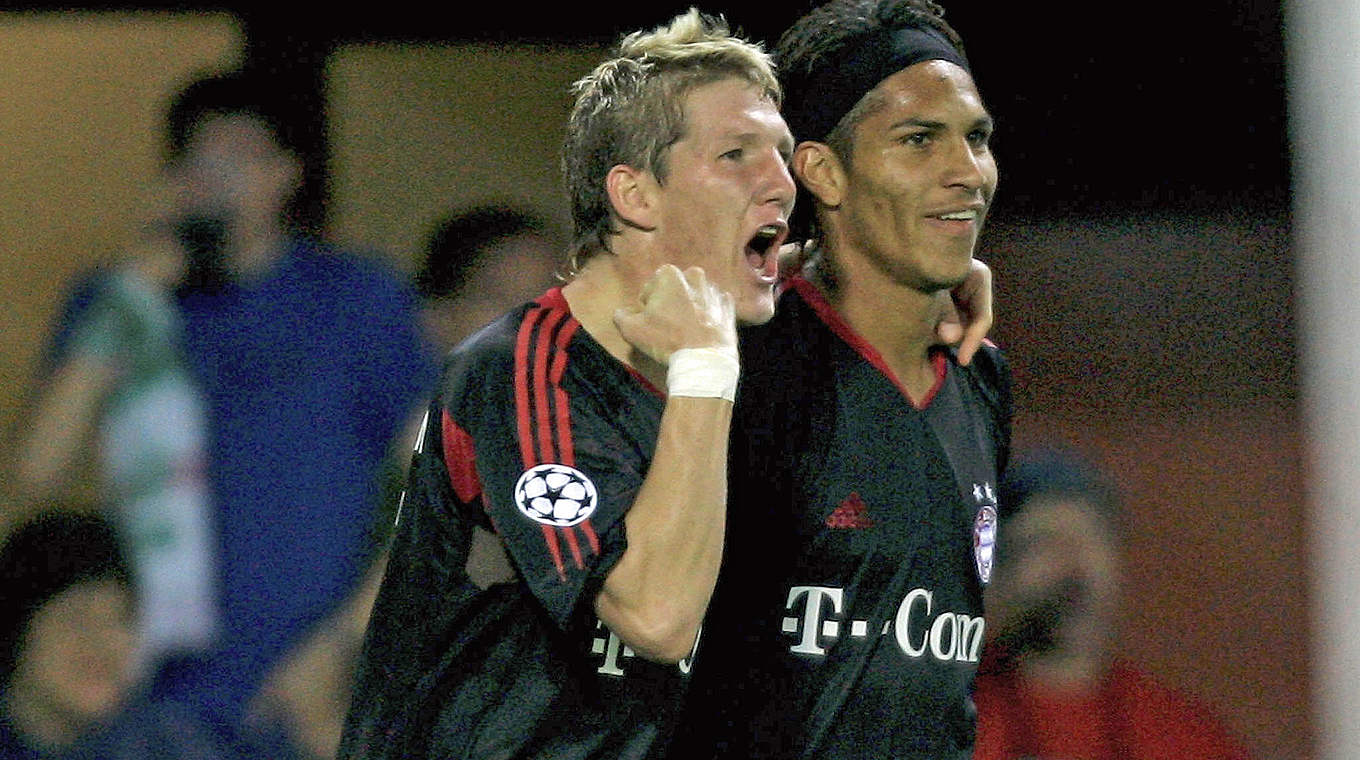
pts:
pixel 1323 38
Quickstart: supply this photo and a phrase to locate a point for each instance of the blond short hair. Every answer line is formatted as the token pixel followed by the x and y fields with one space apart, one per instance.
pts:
pixel 630 110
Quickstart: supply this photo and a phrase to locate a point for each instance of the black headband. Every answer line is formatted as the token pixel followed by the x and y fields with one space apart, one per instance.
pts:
pixel 815 106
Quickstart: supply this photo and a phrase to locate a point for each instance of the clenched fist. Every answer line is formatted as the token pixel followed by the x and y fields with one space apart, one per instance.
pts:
pixel 678 310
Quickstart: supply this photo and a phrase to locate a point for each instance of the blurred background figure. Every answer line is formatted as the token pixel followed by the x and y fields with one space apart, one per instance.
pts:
pixel 1053 685
pixel 273 373
pixel 67 633
pixel 310 360
pixel 120 392
pixel 68 670
pixel 480 261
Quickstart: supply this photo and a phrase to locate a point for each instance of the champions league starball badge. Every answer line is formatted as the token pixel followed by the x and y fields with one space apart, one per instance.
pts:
pixel 555 495
pixel 984 541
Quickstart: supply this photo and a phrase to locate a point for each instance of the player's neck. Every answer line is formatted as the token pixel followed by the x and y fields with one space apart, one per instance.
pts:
pixel 603 285
pixel 899 322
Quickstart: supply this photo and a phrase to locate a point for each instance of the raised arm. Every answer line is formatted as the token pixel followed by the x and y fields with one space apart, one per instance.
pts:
pixel 655 598
pixel 59 427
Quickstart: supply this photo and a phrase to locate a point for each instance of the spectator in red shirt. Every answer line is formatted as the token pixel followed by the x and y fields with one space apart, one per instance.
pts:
pixel 1053 685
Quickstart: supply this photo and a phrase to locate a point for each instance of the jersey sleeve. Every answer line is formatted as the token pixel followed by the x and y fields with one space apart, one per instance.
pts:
pixel 553 465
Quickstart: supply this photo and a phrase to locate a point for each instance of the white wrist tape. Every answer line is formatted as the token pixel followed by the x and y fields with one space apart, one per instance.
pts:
pixel 703 373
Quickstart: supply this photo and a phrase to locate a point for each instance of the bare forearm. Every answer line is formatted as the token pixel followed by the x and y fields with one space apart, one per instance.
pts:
pixel 656 596
pixel 61 424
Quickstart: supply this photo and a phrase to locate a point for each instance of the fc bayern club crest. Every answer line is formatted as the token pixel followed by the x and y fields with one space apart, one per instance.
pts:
pixel 555 495
pixel 984 541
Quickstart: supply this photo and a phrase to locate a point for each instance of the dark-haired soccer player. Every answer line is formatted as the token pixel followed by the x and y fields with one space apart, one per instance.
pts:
pixel 848 618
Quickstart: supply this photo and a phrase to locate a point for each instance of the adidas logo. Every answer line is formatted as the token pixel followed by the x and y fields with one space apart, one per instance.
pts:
pixel 852 513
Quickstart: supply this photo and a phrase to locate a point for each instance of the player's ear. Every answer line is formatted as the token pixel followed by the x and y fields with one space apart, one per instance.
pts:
pixel 634 194
pixel 819 170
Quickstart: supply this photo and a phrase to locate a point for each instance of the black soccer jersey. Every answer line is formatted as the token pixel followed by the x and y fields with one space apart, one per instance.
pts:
pixel 848 618
pixel 533 450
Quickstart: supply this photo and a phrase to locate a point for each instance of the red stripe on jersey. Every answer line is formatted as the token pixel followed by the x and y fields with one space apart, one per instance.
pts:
pixel 526 443
pixel 645 383
pixel 941 371
pixel 566 449
pixel 550 538
pixel 575 547
pixel 542 408
pixel 594 540
pixel 460 460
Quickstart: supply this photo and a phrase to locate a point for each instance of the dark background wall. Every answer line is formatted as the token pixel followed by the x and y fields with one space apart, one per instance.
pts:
pixel 1098 106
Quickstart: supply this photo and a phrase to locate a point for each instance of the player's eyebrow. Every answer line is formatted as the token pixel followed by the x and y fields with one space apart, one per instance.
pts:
pixel 982 122
pixel 913 121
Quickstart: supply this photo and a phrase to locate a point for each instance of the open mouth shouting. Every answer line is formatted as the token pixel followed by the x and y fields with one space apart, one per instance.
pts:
pixel 762 250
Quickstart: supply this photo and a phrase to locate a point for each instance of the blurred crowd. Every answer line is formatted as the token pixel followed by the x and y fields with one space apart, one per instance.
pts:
pixel 197 496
